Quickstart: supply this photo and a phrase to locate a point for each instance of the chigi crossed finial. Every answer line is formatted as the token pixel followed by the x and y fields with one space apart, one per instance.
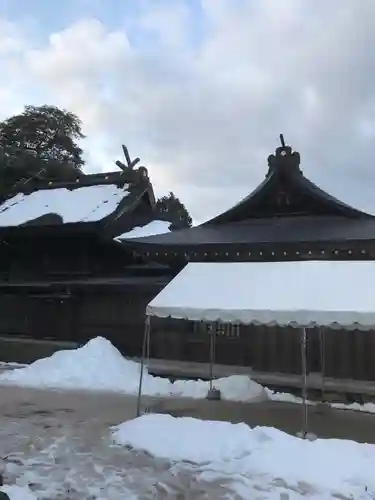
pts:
pixel 130 164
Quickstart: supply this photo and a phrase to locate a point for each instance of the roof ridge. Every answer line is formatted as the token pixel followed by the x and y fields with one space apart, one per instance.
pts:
pixel 285 191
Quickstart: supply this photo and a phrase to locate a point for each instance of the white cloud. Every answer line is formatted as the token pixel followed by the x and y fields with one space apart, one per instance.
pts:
pixel 11 39
pixel 203 117
pixel 168 25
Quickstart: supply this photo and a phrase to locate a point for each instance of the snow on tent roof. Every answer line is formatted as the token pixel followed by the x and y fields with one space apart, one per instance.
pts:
pixel 303 294
pixel 150 229
pixel 84 204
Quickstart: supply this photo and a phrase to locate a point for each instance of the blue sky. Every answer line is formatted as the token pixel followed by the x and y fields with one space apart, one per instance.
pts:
pixel 201 89
pixel 44 17
pixel 54 16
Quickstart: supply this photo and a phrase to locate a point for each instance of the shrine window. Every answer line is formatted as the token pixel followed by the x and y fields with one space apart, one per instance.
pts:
pixel 227 330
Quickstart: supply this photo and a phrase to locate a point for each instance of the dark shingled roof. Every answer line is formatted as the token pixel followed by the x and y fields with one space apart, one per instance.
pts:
pixel 285 207
pixel 266 230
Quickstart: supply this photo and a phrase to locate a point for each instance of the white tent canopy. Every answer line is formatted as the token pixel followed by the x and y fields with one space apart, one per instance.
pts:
pixel 301 294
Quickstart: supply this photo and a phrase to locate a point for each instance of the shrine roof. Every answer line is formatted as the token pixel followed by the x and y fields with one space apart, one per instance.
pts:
pixel 85 200
pixel 286 206
pixel 265 230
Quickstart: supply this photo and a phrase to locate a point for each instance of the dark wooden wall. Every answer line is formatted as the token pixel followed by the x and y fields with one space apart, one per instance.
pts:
pixel 79 316
pixel 48 258
pixel 39 305
pixel 118 314
pixel 348 354
pixel 75 288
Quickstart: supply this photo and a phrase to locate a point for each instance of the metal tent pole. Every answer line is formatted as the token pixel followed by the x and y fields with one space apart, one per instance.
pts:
pixel 145 352
pixel 322 363
pixel 212 355
pixel 213 392
pixel 304 382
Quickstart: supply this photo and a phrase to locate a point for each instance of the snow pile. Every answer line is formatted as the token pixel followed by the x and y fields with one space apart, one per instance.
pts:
pixel 18 493
pixel 366 407
pixel 285 397
pixel 258 458
pixel 233 388
pixel 184 439
pixel 99 366
pixel 11 364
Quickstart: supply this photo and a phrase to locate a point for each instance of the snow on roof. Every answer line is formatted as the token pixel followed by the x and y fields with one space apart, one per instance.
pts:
pixel 305 294
pixel 151 229
pixel 83 204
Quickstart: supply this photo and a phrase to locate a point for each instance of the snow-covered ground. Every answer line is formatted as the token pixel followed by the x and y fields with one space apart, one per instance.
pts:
pixel 59 446
pixel 286 397
pixel 8 365
pixel 155 454
pixel 161 457
pixel 99 366
pixel 18 492
pixel 258 463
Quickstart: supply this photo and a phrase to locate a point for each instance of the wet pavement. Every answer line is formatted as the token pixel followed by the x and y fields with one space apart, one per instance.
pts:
pixel 59 443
